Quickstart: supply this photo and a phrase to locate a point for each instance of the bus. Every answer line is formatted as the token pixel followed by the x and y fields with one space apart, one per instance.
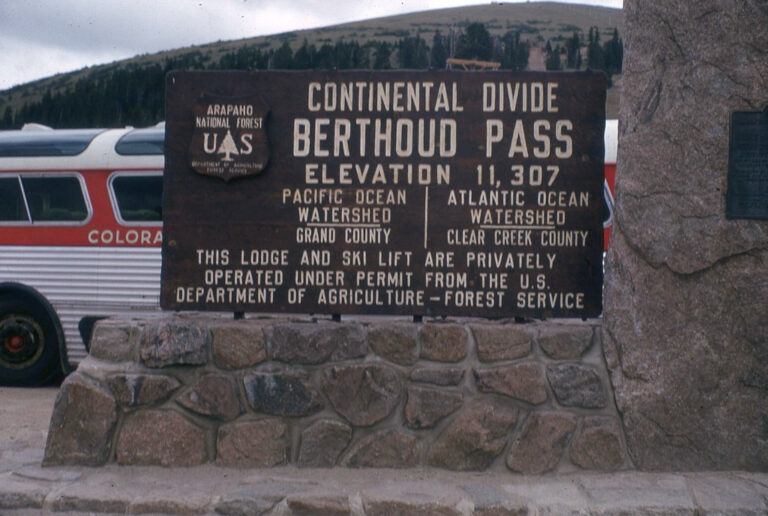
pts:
pixel 80 239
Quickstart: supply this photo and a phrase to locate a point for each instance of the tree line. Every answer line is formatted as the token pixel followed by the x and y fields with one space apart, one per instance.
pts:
pixel 133 94
pixel 607 56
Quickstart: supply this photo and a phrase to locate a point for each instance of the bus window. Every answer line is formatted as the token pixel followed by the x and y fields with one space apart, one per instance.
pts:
pixel 55 198
pixel 138 198
pixel 61 142
pixel 12 206
pixel 142 141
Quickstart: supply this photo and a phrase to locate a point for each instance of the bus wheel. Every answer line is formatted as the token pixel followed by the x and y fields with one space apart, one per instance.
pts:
pixel 29 350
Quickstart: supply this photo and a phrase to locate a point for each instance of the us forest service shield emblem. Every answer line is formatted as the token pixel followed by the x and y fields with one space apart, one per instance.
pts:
pixel 229 139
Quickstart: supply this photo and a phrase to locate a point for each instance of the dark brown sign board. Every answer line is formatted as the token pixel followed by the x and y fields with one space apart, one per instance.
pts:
pixel 747 195
pixel 399 193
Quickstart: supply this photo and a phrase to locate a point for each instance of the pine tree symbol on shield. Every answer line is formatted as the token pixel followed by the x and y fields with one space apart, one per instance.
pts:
pixel 228 147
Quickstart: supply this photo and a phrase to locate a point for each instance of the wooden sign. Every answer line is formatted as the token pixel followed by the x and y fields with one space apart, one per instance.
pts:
pixel 411 193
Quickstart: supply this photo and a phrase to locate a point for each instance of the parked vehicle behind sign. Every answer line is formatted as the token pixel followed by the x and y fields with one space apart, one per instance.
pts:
pixel 80 236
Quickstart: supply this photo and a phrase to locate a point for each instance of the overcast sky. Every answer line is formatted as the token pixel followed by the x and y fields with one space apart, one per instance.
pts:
pixel 39 38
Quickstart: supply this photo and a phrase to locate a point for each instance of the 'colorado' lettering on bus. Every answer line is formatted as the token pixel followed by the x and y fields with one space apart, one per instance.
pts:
pixel 129 237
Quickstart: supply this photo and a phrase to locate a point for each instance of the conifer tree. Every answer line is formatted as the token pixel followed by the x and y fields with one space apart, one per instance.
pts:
pixel 573 49
pixel 439 51
pixel 412 52
pixel 552 61
pixel 613 51
pixel 595 53
pixel 382 55
pixel 7 121
pixel 475 43
pixel 283 57
pixel 304 57
pixel 325 58
pixel 515 52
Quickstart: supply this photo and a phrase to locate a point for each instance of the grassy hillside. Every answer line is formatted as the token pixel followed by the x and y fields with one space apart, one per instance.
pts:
pixel 537 23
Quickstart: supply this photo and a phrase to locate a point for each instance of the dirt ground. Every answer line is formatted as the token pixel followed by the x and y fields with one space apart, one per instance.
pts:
pixel 25 414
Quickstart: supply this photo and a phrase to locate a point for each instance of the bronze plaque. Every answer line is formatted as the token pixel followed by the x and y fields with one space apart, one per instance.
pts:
pixel 747 196
pixel 411 193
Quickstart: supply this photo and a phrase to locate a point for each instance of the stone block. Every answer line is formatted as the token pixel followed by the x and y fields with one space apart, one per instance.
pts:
pixel 564 342
pixel 163 502
pixel 523 381
pixel 386 449
pixel 686 387
pixel 577 385
pixel 160 438
pixel 397 343
pixel 488 500
pixel 247 502
pixel 541 443
pixel 685 290
pixel 666 228
pixel 316 505
pixel 169 343
pixel 519 509
pixel 138 390
pixel 281 394
pixel 635 493
pixel 83 421
pixel 398 506
pixel 300 343
pixel 23 495
pixel 443 342
pixel 475 438
pixel 599 445
pixel 718 494
pixel 257 498
pixel 494 342
pixel 425 407
pixel 442 376
pixel 87 502
pixel 36 471
pixel 238 344
pixel 115 341
pixel 214 395
pixel 323 442
pixel 117 491
pixel 363 394
pixel 252 444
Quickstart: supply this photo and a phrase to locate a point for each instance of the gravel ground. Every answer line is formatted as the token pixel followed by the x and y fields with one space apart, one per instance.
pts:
pixel 25 414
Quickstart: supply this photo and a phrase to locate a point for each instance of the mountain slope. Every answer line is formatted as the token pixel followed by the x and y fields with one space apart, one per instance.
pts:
pixel 537 23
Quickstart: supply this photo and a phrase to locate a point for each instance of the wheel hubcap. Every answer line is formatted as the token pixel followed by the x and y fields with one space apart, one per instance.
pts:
pixel 15 343
pixel 21 341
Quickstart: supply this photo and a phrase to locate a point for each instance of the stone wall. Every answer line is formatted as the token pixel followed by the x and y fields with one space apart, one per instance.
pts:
pixel 686 295
pixel 469 395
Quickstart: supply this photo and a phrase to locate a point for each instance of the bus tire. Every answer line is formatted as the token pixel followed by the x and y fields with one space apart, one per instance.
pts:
pixel 29 347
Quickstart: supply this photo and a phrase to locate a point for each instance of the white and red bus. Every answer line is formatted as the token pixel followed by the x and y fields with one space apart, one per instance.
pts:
pixel 80 238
